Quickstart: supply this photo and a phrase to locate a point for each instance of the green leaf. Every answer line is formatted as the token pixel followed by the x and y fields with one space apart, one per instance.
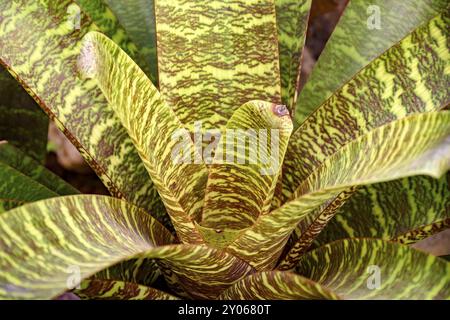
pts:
pixel 69 239
pixel 276 285
pixel 416 145
pixel 40 45
pixel 17 111
pixel 357 40
pixel 292 22
pixel 406 210
pixel 118 290
pixel 351 268
pixel 246 165
pixel 152 125
pixel 138 19
pixel 25 180
pixel 411 77
pixel 214 56
pixel 107 21
pixel 18 160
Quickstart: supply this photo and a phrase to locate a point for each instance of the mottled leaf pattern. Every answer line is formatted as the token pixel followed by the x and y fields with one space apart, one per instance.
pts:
pixel 118 290
pixel 22 122
pixel 138 19
pixel 152 125
pixel 292 22
pixel 214 56
pixel 246 166
pixel 40 46
pixel 406 210
pixel 411 77
pixel 350 267
pixel 55 238
pixel 276 285
pixel 416 145
pixel 358 39
pixel 102 15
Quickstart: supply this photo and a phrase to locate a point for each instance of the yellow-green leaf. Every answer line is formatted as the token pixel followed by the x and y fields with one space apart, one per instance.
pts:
pixel 377 269
pixel 416 145
pixel 153 126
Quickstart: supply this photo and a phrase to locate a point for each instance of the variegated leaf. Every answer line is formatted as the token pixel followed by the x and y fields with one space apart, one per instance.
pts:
pixel 365 31
pixel 154 128
pixel 277 285
pixel 411 77
pixel 60 241
pixel 138 19
pixel 40 44
pixel 214 56
pixel 69 239
pixel 416 145
pixel 406 210
pixel 292 22
pixel 246 166
pixel 102 15
pixel 118 290
pixel 377 269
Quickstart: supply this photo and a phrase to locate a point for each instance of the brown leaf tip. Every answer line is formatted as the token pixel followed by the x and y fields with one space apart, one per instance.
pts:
pixel 280 110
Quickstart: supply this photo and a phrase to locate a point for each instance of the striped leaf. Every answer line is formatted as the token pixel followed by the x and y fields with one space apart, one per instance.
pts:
pixel 17 111
pixel 292 22
pixel 69 239
pixel 138 19
pixel 153 127
pixel 40 44
pixel 141 270
pixel 25 180
pixel 246 166
pixel 365 31
pixel 102 15
pixel 411 77
pixel 276 285
pixel 406 210
pixel 376 269
pixel 214 56
pixel 118 290
pixel 416 145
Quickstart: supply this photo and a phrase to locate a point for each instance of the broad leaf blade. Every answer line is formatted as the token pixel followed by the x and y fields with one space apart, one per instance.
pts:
pixel 277 285
pixel 411 77
pixel 292 22
pixel 246 166
pixel 376 269
pixel 357 40
pixel 416 145
pixel 152 125
pixel 22 122
pixel 41 47
pixel 69 239
pixel 406 210
pixel 138 19
pixel 107 21
pixel 69 236
pixel 214 56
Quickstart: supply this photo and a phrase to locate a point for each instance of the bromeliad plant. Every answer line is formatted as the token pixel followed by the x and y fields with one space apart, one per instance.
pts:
pixel 334 220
